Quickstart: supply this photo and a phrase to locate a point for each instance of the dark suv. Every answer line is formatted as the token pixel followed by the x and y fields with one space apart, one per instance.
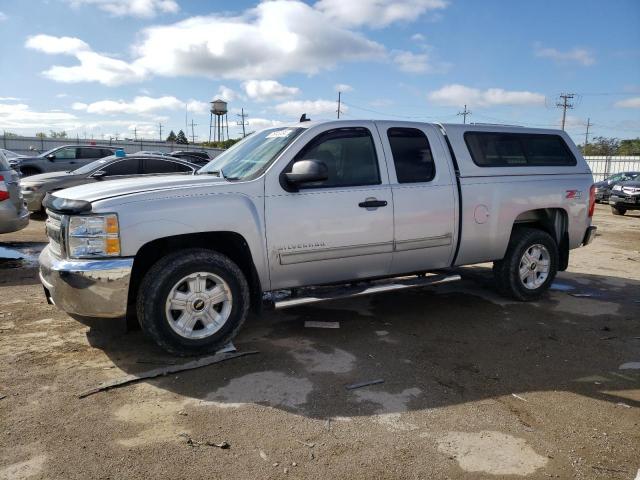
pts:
pixel 603 187
pixel 65 158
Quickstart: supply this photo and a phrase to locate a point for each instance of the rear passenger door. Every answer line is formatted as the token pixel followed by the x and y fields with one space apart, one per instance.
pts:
pixel 424 196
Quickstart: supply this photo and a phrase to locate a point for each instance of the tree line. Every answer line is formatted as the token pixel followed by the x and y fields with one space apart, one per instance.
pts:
pixel 608 146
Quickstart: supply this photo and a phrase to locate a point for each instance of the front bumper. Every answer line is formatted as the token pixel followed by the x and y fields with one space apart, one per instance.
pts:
pixel 86 287
pixel 625 200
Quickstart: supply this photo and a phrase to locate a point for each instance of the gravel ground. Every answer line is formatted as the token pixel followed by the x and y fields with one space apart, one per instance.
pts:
pixel 475 386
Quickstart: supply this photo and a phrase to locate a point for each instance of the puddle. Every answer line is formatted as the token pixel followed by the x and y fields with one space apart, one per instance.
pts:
pixel 18 255
pixel 10 254
pixel 562 287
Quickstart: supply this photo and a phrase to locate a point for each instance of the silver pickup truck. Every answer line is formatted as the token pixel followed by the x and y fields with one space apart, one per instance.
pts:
pixel 300 207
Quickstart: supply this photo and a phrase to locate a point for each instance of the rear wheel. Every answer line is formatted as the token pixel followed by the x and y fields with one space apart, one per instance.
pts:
pixel 618 210
pixel 193 301
pixel 529 265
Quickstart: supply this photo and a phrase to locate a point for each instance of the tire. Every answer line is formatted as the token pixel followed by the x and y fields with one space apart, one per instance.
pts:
pixel 180 276
pixel 28 171
pixel 618 210
pixel 508 272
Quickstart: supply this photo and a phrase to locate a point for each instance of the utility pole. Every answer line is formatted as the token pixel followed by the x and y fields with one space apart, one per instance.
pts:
pixel 160 125
pixel 339 103
pixel 586 135
pixel 242 122
pixel 135 134
pixel 193 135
pixel 565 104
pixel 464 114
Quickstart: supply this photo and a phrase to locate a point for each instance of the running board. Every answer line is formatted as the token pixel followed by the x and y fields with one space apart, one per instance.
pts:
pixel 321 294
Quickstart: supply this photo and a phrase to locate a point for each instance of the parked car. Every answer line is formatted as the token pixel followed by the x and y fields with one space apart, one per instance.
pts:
pixel 313 204
pixel 35 187
pixel 10 156
pixel 603 187
pixel 194 156
pixel 13 212
pixel 625 196
pixel 58 159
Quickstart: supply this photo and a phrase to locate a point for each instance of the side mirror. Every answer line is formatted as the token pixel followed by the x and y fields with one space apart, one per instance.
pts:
pixel 51 157
pixel 99 174
pixel 305 171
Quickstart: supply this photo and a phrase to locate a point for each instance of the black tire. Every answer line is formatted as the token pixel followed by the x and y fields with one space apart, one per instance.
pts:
pixel 618 210
pixel 163 276
pixel 28 171
pixel 506 271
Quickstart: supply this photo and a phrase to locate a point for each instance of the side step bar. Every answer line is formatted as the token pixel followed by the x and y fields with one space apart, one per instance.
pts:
pixel 321 294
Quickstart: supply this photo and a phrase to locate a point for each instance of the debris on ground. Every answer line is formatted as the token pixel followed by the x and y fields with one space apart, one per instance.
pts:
pixel 519 397
pixel 158 372
pixel 306 444
pixel 364 384
pixel 2 396
pixel 629 366
pixel 621 404
pixel 195 443
pixel 315 324
pixel 264 456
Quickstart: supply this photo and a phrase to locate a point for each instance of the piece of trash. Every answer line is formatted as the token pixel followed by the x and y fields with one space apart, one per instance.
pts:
pixel 195 443
pixel 579 295
pixel 620 404
pixel 519 397
pixel 2 396
pixel 275 464
pixel 310 445
pixel 229 347
pixel 157 372
pixel 182 412
pixel 364 384
pixel 222 445
pixel 563 287
pixel 637 475
pixel 315 324
pixel 629 366
pixel 263 456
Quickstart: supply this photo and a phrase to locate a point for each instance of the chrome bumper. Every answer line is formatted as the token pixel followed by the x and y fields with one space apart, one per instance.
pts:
pixel 89 288
pixel 33 200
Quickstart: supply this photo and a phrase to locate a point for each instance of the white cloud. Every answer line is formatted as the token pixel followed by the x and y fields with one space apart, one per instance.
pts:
pixel 260 123
pixel 270 40
pixel 412 62
pixel 227 94
pixel 633 102
pixel 457 95
pixel 261 90
pixel 581 56
pixel 343 87
pixel 377 13
pixel 3 16
pixel 21 116
pixel 135 8
pixel 57 45
pixel 9 99
pixel 295 108
pixel 140 106
pixel 418 37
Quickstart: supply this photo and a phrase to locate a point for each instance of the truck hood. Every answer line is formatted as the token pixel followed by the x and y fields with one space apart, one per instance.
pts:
pixel 115 188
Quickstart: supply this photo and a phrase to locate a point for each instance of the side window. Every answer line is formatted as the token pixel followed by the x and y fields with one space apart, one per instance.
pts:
pixel 411 155
pixel 92 153
pixel 105 153
pixel 66 153
pixel 154 165
pixel 122 167
pixel 350 156
pixel 517 150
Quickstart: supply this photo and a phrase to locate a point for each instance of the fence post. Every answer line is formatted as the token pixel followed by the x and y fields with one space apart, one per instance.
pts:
pixel 4 136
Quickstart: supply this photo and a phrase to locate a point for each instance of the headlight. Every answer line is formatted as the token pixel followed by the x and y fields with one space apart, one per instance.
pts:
pixel 617 188
pixel 93 236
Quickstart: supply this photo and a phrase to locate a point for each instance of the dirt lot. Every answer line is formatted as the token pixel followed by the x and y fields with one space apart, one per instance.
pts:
pixel 474 386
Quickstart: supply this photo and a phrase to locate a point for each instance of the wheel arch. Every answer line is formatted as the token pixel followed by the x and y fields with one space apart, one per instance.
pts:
pixel 554 221
pixel 231 244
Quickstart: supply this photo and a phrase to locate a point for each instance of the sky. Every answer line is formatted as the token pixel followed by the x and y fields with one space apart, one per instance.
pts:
pixel 101 68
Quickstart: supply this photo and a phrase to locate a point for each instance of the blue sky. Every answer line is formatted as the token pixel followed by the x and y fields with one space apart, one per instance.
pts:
pixel 111 66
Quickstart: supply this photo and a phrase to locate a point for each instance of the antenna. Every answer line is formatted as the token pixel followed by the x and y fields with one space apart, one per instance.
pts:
pixel 564 104
pixel 464 114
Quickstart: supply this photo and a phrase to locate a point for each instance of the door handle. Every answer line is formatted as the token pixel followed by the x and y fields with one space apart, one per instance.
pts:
pixel 372 203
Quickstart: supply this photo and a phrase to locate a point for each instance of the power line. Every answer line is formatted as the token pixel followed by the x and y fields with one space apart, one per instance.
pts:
pixel 242 122
pixel 565 97
pixel 464 114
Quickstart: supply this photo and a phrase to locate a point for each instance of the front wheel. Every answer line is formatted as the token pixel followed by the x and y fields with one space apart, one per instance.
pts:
pixel 618 210
pixel 529 265
pixel 193 301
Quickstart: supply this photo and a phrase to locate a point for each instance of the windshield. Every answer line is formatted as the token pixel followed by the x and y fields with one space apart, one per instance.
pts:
pixel 252 155
pixel 44 154
pixel 9 155
pixel 90 167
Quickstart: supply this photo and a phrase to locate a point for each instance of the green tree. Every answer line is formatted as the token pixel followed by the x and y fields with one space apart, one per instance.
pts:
pixel 602 146
pixel 60 134
pixel 629 147
pixel 172 137
pixel 182 138
pixel 9 134
pixel 41 135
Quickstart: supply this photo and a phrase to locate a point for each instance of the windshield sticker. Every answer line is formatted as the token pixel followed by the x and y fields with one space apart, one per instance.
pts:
pixel 280 133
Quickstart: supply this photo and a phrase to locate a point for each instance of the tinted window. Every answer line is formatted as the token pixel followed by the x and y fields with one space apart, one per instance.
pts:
pixel 122 167
pixel 349 154
pixel 154 165
pixel 517 149
pixel 411 155
pixel 93 153
pixel 105 153
pixel 65 154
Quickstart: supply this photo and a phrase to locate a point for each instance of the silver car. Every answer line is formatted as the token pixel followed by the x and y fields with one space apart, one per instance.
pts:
pixel 13 212
pixel 35 187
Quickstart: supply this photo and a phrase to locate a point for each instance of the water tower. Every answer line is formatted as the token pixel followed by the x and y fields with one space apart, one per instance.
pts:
pixel 218 121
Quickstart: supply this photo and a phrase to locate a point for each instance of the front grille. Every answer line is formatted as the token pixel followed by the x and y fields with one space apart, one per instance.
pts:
pixel 54 229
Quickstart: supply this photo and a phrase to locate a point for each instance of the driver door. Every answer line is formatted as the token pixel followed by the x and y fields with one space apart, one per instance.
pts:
pixel 337 229
pixel 66 159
